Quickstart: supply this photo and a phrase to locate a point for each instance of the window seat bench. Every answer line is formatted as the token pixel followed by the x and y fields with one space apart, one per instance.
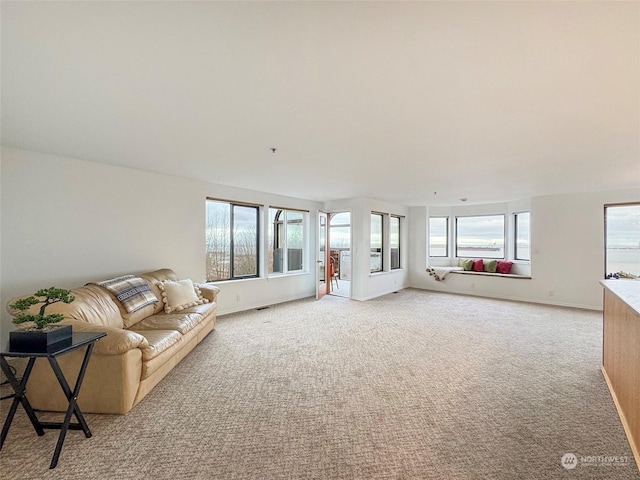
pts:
pixel 489 274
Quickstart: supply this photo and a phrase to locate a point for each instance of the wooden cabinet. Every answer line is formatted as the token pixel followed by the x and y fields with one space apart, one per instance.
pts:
pixel 621 354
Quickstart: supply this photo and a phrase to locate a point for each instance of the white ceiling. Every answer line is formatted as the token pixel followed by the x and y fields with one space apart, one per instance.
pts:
pixel 493 101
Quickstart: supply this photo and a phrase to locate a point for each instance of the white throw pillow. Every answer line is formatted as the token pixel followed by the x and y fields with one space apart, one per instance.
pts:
pixel 179 295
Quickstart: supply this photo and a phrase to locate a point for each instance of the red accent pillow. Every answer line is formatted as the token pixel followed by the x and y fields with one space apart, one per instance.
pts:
pixel 478 265
pixel 504 267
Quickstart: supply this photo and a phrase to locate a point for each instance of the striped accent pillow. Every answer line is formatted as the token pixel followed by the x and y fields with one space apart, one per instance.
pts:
pixel 132 292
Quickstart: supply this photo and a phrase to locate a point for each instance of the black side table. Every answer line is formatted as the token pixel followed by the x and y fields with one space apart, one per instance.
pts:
pixel 79 339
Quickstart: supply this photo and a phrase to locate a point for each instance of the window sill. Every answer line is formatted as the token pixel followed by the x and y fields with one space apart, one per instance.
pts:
pixel 235 280
pixel 489 274
pixel 387 272
pixel 288 274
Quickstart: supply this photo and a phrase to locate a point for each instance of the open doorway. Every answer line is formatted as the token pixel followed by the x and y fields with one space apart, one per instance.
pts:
pixel 340 254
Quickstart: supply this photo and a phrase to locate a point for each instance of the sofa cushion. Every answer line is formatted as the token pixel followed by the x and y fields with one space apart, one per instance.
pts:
pixel 130 319
pixel 182 322
pixel 180 295
pixel 205 309
pixel 159 341
pixel 160 365
pixel 153 278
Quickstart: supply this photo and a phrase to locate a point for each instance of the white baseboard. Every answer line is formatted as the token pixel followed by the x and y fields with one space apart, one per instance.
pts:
pixel 244 308
pixel 516 299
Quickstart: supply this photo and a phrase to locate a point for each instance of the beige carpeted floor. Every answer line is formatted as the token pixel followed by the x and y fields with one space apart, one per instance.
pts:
pixel 414 385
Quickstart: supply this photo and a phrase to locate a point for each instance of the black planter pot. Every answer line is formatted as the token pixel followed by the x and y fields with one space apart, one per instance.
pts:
pixel 40 340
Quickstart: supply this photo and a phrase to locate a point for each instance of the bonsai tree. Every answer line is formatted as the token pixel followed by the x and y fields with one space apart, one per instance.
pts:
pixel 50 296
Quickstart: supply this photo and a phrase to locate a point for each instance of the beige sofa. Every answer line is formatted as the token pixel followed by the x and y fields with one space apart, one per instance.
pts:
pixel 139 350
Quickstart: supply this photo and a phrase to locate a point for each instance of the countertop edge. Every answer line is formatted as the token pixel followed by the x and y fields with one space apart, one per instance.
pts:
pixel 626 290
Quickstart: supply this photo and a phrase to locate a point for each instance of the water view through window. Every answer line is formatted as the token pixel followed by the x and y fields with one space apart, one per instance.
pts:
pixel 622 239
pixel 522 222
pixel 480 236
pixel 438 236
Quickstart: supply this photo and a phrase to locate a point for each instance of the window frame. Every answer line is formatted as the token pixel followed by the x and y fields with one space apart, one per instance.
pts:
pixel 399 246
pixel 504 236
pixel 515 236
pixel 446 218
pixel 281 219
pixel 232 206
pixel 606 234
pixel 382 243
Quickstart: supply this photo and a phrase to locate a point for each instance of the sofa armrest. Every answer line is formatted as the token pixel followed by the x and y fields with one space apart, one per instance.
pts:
pixel 210 292
pixel 116 342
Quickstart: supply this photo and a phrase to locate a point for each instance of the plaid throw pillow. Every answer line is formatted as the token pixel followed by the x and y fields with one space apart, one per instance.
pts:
pixel 132 292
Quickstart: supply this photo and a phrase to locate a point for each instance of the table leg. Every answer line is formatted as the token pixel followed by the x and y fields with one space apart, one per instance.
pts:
pixel 72 396
pixel 19 398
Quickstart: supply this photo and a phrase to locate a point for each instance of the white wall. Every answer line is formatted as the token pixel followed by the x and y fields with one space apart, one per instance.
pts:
pixel 66 222
pixel 366 285
pixel 567 257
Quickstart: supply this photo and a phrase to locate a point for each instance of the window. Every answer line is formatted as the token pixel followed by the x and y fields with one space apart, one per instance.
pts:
pixel 480 236
pixel 340 232
pixel 340 249
pixel 521 224
pixel 376 242
pixel 286 240
pixel 622 239
pixel 394 241
pixel 231 240
pixel 438 236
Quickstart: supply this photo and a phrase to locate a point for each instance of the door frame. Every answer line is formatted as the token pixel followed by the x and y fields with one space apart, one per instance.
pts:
pixel 322 257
